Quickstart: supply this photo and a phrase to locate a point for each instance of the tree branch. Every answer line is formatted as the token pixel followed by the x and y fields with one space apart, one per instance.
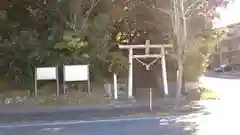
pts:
pixel 158 9
pixel 191 6
pixel 164 11
pixel 94 3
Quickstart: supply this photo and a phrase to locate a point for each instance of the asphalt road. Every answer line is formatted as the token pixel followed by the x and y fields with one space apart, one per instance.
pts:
pixel 135 126
pixel 219 117
pixel 80 114
pixel 212 121
pixel 226 85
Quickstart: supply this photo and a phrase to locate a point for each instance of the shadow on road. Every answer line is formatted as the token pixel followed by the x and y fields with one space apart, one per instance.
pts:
pixel 205 121
pixel 184 122
pixel 222 75
pixel 167 109
pixel 171 125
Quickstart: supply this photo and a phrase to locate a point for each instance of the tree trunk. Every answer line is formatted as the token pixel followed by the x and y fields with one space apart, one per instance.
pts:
pixel 179 78
pixel 183 83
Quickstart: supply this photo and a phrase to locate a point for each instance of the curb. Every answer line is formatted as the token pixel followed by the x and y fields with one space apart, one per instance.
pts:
pixel 115 106
pixel 80 109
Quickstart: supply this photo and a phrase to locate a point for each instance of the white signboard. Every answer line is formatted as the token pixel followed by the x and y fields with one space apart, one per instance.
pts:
pixel 46 73
pixel 76 73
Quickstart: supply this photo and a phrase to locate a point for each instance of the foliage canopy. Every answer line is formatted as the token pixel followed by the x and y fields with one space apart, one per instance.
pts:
pixel 56 32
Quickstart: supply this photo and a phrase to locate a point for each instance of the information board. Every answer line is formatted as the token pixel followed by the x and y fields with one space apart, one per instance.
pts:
pixel 46 73
pixel 76 73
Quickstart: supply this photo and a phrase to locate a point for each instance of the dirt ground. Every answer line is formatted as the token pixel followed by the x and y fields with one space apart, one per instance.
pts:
pixel 76 96
pixel 47 96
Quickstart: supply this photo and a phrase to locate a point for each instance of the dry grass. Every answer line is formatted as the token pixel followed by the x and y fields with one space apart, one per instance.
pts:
pixel 47 96
pixel 207 94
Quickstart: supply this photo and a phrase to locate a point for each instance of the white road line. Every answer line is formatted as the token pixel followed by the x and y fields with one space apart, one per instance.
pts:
pixel 51 129
pixel 82 122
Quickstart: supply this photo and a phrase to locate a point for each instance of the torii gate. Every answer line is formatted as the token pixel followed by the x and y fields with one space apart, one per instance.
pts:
pixel 147 54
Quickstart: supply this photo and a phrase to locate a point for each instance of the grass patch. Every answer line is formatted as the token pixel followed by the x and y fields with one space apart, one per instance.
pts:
pixel 207 94
pixel 154 113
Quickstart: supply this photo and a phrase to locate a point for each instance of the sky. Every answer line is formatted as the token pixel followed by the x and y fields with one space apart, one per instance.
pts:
pixel 229 15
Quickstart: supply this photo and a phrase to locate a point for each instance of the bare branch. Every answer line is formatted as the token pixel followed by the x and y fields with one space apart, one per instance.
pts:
pixel 158 27
pixel 189 8
pixel 158 9
pixel 94 3
pixel 164 11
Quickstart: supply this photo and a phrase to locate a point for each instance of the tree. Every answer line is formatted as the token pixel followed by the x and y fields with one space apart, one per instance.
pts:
pixel 182 15
pixel 88 36
pixel 24 30
pixel 199 58
pixel 39 33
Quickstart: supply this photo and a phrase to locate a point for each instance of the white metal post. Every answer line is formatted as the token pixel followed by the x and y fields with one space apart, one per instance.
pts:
pixel 57 79
pixel 115 86
pixel 130 73
pixel 164 72
pixel 64 83
pixel 35 83
pixel 150 99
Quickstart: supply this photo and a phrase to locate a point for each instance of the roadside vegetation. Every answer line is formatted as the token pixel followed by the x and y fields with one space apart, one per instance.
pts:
pixel 57 32
pixel 207 94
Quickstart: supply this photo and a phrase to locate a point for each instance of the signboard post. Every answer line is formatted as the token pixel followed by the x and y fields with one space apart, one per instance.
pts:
pixel 45 73
pixel 73 73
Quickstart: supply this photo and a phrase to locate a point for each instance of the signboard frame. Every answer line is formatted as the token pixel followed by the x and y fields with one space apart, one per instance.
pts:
pixel 38 77
pixel 66 78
